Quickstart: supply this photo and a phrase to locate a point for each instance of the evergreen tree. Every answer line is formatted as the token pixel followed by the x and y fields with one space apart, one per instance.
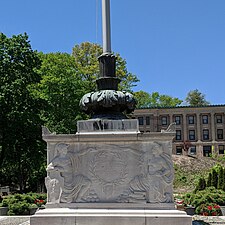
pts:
pixel 214 180
pixel 209 180
pixel 220 178
pixel 224 179
pixel 201 184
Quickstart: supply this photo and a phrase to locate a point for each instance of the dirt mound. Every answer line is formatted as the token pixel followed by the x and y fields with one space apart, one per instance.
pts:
pixel 193 164
pixel 189 169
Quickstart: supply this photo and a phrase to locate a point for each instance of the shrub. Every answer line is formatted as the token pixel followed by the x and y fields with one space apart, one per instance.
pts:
pixel 211 209
pixel 201 184
pixel 204 198
pixel 20 204
pixel 19 208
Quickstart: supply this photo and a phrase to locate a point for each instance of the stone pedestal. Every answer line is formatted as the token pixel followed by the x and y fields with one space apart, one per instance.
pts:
pixel 110 173
pixel 67 216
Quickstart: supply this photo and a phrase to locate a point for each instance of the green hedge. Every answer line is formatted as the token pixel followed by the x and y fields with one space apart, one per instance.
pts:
pixel 204 198
pixel 20 204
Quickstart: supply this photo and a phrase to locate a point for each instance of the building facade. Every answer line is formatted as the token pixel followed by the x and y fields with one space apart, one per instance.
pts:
pixel 200 131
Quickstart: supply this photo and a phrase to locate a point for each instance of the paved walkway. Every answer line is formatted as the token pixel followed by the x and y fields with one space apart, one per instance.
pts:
pixel 25 220
pixel 14 220
pixel 209 220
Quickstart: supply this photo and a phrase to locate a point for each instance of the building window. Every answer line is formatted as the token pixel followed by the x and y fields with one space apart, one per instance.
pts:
pixel 178 135
pixel 205 119
pixel 219 119
pixel 147 120
pixel 191 120
pixel 207 151
pixel 191 135
pixel 205 134
pixel 177 120
pixel 193 150
pixel 219 133
pixel 221 149
pixel 178 150
pixel 141 120
pixel 164 120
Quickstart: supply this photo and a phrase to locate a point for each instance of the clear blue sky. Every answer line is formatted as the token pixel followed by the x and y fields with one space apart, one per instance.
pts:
pixel 173 46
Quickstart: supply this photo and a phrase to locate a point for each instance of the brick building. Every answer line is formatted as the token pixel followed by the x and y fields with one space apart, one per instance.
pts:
pixel 199 130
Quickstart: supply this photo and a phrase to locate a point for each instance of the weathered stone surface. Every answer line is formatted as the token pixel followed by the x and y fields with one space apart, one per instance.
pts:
pixel 115 177
pixel 97 125
pixel 68 216
pixel 116 167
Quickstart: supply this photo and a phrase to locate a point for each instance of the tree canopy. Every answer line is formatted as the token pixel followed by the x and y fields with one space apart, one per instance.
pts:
pixel 45 89
pixel 155 99
pixel 66 78
pixel 62 87
pixel 86 61
pixel 20 125
pixel 196 98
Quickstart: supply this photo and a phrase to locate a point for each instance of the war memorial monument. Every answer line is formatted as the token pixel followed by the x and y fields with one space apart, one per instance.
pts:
pixel 109 173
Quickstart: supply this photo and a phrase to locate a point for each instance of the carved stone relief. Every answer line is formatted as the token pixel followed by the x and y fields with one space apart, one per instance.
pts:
pixel 108 169
pixel 151 185
pixel 74 185
pixel 100 172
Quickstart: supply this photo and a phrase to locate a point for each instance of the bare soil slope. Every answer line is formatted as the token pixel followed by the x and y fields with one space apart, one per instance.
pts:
pixel 189 169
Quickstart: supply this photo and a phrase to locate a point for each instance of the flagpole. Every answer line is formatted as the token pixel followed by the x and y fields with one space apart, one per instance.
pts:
pixel 106 33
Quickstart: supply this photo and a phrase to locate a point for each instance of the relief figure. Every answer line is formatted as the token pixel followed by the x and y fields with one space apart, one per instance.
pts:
pixel 157 174
pixel 75 185
pixel 54 189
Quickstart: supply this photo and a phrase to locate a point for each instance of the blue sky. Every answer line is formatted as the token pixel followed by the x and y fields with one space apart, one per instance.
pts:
pixel 173 46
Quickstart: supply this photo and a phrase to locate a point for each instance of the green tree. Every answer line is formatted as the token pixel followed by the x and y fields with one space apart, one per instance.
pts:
pixel 223 188
pixel 201 184
pixel 196 98
pixel 143 99
pixel 155 99
pixel 209 180
pixel 220 178
pixel 66 78
pixel 61 87
pixel 214 180
pixel 21 145
pixel 86 61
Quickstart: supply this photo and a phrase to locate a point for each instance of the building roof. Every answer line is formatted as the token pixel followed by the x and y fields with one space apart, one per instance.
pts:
pixel 171 107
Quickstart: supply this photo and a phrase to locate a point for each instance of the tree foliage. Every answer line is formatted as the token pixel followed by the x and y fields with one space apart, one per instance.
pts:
pixel 66 78
pixel 20 125
pixel 220 178
pixel 86 61
pixel 201 184
pixel 196 98
pixel 143 99
pixel 62 87
pixel 155 99
pixel 214 180
pixel 209 180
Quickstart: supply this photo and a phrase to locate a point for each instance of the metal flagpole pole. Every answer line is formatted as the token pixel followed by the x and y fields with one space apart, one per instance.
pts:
pixel 106 34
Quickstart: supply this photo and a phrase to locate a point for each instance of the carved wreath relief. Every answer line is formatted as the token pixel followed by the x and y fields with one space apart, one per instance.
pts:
pixel 110 173
pixel 108 169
